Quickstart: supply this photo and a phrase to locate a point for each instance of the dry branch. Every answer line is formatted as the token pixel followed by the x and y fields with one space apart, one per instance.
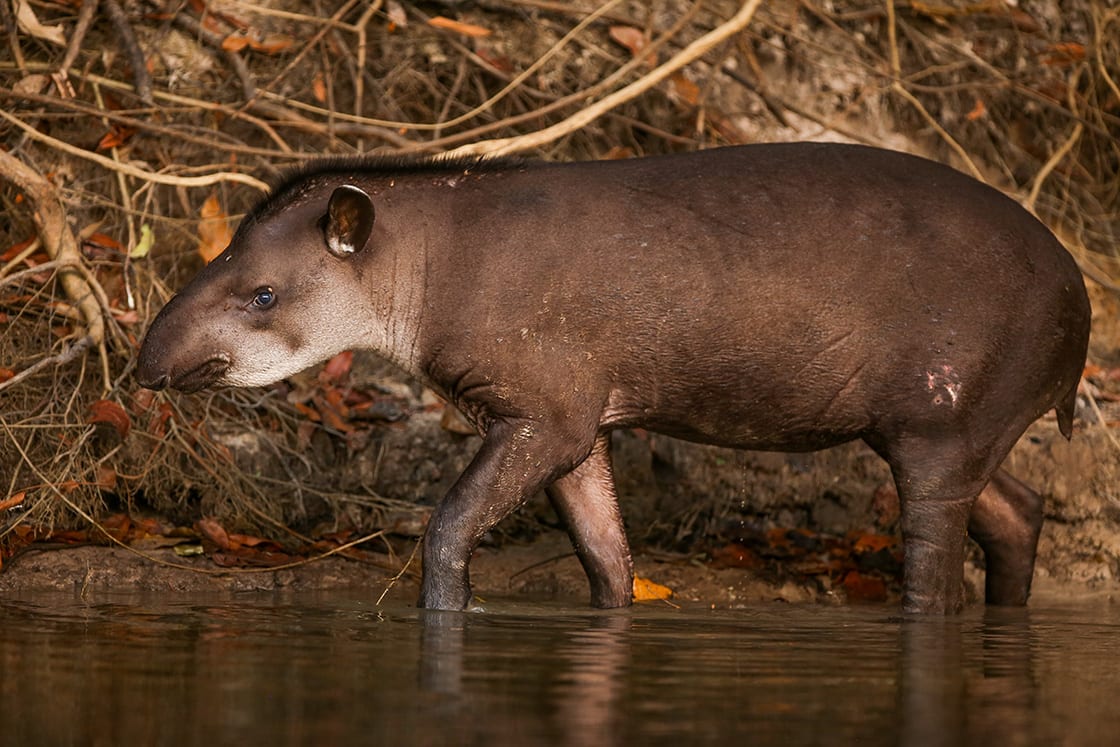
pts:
pixel 689 54
pixel 151 176
pixel 58 240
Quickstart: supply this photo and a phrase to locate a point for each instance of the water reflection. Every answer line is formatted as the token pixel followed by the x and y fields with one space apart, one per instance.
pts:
pixel 329 670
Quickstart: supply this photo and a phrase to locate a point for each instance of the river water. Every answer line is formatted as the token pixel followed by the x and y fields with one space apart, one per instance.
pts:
pixel 333 669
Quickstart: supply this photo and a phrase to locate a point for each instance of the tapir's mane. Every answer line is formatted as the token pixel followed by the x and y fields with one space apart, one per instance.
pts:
pixel 294 182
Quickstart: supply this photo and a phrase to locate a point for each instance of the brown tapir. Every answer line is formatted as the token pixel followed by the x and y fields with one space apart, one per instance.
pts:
pixel 788 297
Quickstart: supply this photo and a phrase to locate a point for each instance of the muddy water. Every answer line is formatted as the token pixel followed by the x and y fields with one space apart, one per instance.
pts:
pixel 336 670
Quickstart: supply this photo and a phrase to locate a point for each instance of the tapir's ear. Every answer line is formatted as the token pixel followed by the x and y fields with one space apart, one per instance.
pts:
pixel 349 221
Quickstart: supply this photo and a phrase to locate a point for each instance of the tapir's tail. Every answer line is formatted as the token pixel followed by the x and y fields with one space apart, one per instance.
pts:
pixel 1064 409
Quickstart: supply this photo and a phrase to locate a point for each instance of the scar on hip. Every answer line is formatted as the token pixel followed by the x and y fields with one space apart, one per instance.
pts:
pixel 944 384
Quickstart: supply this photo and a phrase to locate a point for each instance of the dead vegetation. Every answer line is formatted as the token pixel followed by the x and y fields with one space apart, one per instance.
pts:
pixel 134 133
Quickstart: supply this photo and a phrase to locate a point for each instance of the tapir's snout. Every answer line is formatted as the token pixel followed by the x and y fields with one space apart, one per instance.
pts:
pixel 153 380
pixel 166 358
pixel 152 370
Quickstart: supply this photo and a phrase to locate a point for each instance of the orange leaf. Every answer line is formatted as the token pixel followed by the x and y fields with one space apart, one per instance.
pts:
pixel 246 540
pixel 235 42
pixel 684 89
pixel 337 367
pixel 110 413
pixel 104 240
pixel 213 229
pixel 6 373
pixel 873 542
pixel 319 88
pixel 308 412
pixel 333 412
pixel 271 43
pixel 15 249
pixel 214 532
pixel 13 501
pixel 117 136
pixel 1063 54
pixel 466 29
pixel 629 37
pixel 646 590
pixel 977 112
pixel 734 555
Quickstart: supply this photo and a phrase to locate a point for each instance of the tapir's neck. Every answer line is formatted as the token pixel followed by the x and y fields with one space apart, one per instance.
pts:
pixel 394 281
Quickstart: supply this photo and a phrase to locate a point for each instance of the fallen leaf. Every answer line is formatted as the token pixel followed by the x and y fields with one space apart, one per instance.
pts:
pixel 734 555
pixel 466 29
pixel 978 111
pixel 874 542
pixel 15 250
pixel 1024 21
pixel 144 245
pixel 1063 54
pixel 246 540
pixel 213 229
pixel 105 241
pixel 333 411
pixel 319 88
pixel 117 136
pixel 32 84
pixel 497 61
pixel 235 42
pixel 271 43
pixel 397 17
pixel 213 531
pixel 107 412
pixel 13 501
pixel 618 152
pixel 308 412
pixel 337 368
pixel 646 590
pixel 29 22
pixel 684 89
pixel 631 38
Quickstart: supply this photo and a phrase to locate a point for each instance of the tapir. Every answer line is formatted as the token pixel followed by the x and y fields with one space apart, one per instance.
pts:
pixel 786 297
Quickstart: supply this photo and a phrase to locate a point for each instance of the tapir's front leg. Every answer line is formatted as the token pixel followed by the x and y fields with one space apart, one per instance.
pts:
pixel 517 459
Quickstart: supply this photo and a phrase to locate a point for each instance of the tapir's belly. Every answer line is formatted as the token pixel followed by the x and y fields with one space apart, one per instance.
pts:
pixel 751 412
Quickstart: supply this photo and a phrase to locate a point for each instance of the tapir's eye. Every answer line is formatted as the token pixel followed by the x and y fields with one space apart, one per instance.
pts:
pixel 263 298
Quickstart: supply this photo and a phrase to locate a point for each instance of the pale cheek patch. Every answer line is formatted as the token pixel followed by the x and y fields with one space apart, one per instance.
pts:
pixel 267 366
pixel 945 385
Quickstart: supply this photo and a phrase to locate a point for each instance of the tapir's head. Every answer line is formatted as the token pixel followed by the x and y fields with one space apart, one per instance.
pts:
pixel 285 294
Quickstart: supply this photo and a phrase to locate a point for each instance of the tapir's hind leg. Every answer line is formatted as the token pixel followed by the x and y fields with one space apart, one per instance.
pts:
pixel 1005 521
pixel 937 486
pixel 586 501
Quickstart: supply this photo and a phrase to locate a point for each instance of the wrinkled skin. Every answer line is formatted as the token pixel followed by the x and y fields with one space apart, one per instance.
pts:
pixel 785 297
